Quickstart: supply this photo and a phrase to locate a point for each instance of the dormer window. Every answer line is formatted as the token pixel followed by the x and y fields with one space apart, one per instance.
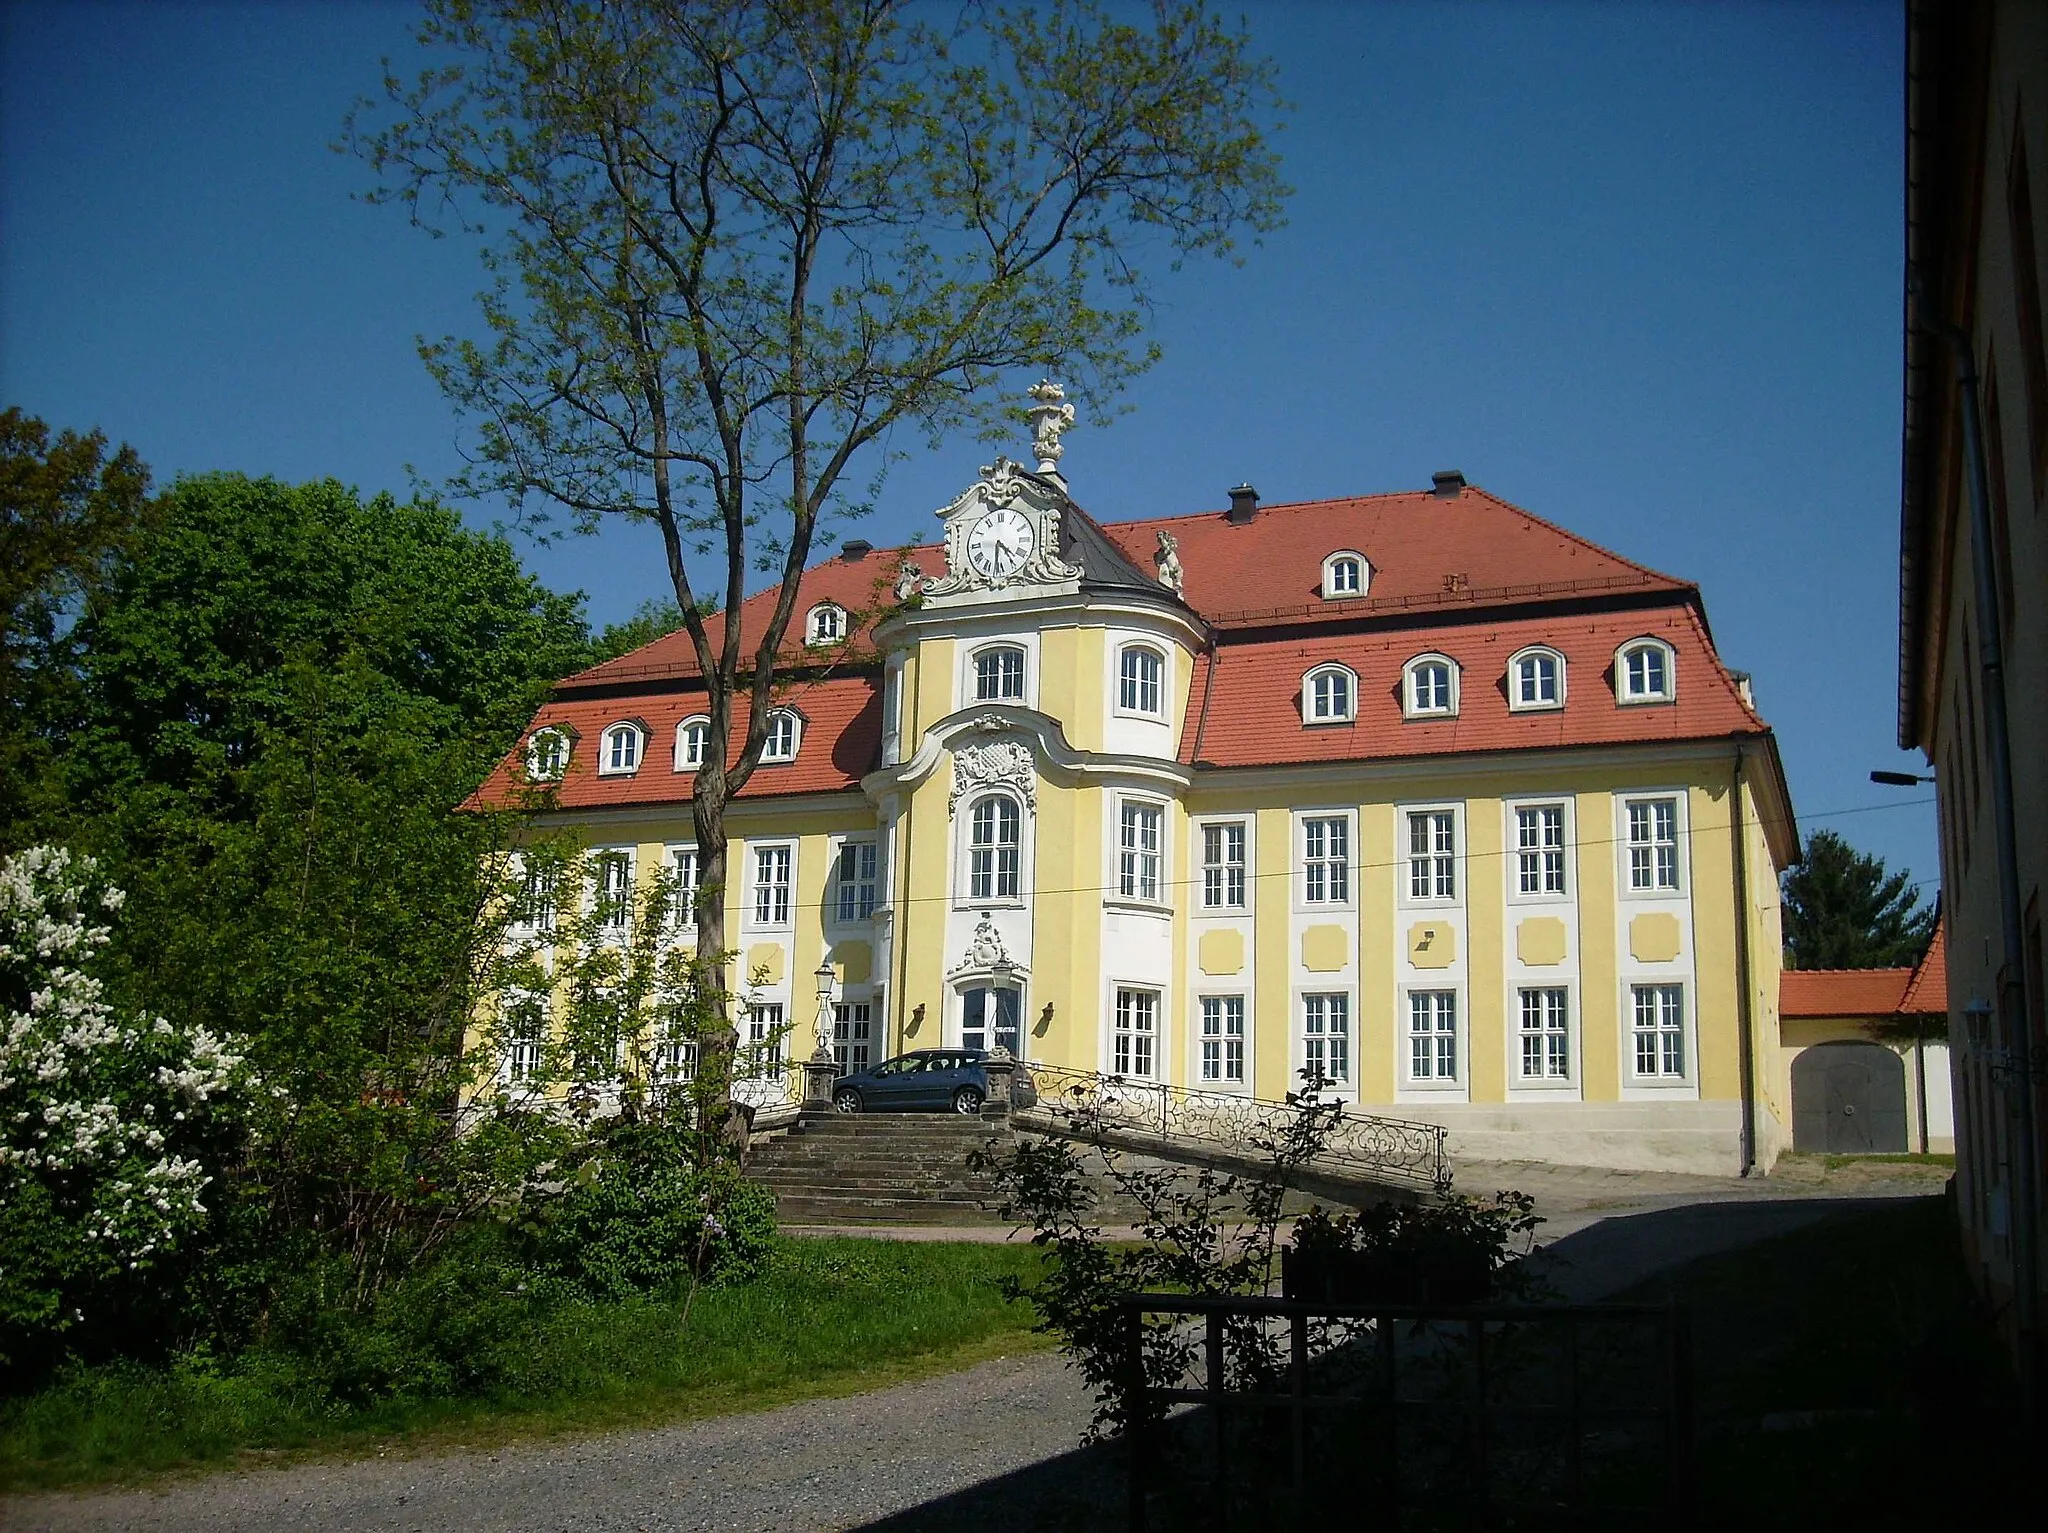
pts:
pixel 1329 695
pixel 1345 573
pixel 547 755
pixel 785 733
pixel 1645 671
pixel 1536 680
pixel 826 624
pixel 619 752
pixel 693 738
pixel 1429 687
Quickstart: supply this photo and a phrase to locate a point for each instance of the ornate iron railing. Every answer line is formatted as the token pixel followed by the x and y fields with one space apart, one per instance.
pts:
pixel 1087 1102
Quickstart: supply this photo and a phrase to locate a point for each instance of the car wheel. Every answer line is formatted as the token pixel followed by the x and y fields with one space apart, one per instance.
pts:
pixel 848 1101
pixel 967 1101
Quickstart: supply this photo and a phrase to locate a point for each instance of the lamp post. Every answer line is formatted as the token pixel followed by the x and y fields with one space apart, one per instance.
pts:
pixel 826 978
pixel 1900 779
pixel 820 1069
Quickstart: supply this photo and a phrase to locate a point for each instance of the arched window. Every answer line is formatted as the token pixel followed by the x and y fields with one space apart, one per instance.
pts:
pixel 1140 679
pixel 1430 687
pixel 993 857
pixel 620 753
pixel 547 755
pixel 785 733
pixel 1645 671
pixel 826 624
pixel 1346 573
pixel 999 674
pixel 1536 679
pixel 1329 695
pixel 692 737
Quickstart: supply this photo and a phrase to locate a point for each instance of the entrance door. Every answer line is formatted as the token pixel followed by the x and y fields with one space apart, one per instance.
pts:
pixel 853 1024
pixel 1849 1099
pixel 989 1018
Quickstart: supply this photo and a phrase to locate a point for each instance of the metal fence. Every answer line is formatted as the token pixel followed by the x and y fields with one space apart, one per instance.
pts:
pixel 1388 1149
pixel 1489 1417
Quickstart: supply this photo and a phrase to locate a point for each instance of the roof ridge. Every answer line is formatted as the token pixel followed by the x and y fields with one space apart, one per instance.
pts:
pixel 1890 968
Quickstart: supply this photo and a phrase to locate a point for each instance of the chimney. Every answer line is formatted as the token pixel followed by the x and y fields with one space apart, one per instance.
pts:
pixel 1449 482
pixel 1744 688
pixel 855 548
pixel 1244 504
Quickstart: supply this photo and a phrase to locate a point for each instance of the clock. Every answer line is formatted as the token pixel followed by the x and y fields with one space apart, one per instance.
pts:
pixel 1001 542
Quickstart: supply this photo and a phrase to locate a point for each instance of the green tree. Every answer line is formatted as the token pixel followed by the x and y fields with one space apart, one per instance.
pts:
pixel 736 243
pixel 651 620
pixel 1842 910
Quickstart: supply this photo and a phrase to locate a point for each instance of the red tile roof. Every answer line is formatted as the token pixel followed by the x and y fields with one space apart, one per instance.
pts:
pixel 1927 994
pixel 1841 992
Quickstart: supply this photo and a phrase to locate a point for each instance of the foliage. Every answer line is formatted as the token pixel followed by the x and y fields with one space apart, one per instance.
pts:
pixel 651 620
pixel 1453 1248
pixel 1842 910
pixel 111 1128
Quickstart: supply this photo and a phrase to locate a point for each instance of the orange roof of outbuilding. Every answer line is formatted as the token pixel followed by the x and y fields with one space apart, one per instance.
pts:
pixel 1841 992
pixel 1927 993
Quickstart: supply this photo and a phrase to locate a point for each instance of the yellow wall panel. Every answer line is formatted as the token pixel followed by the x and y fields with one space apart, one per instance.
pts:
pixel 1325 949
pixel 1599 974
pixel 1221 952
pixel 1541 941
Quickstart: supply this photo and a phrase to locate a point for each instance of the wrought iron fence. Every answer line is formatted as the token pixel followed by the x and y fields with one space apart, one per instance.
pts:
pixel 1387 1149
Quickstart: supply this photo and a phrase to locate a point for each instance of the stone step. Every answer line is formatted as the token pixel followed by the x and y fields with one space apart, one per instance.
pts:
pixel 825 1210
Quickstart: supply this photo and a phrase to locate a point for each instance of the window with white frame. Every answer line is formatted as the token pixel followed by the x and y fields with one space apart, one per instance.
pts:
pixel 765 1032
pixel 1644 672
pixel 1221 1054
pixel 1139 837
pixel 1134 1040
pixel 1433 1036
pixel 683 879
pixel 1546 1034
pixel 547 755
pixel 533 904
pixel 1652 844
pixel 853 1033
pixel 1432 854
pixel 1429 687
pixel 999 674
pixel 1223 866
pixel 1326 860
pixel 771 885
pixel 1536 680
pixel 853 892
pixel 1345 573
pixel 1326 1037
pixel 826 625
pixel 1140 679
pixel 620 751
pixel 1329 695
pixel 785 733
pixel 1658 1032
pixel 994 860
pixel 523 1029
pixel 1539 849
pixel 674 1057
pixel 693 738
pixel 612 904
pixel 600 1032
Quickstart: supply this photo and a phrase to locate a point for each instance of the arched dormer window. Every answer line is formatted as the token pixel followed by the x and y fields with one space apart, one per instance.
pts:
pixel 1141 680
pixel 1429 687
pixel 785 734
pixel 547 754
pixel 1346 573
pixel 994 848
pixel 693 737
pixel 620 748
pixel 1329 695
pixel 1535 679
pixel 826 624
pixel 999 674
pixel 1645 671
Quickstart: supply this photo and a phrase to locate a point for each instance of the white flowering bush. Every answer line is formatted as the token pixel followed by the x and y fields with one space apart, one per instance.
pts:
pixel 112 1129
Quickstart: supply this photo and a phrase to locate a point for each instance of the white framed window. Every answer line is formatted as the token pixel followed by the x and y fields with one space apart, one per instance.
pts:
pixel 683 879
pixel 1346 573
pixel 533 902
pixel 675 1058
pixel 785 734
pixel 772 880
pixel 1652 844
pixel 547 754
pixel 620 748
pixel 1223 867
pixel 765 1032
pixel 1220 1048
pixel 853 1035
pixel 1429 687
pixel 995 829
pixel 1433 1037
pixel 1657 1032
pixel 892 712
pixel 693 738
pixel 1326 1036
pixel 1326 859
pixel 522 1025
pixel 991 1016
pixel 1546 1034
pixel 1329 695
pixel 612 890
pixel 1536 679
pixel 826 624
pixel 1432 854
pixel 1134 1040
pixel 1141 680
pixel 1645 671
pixel 1140 837
pixel 853 883
pixel 999 674
pixel 1540 850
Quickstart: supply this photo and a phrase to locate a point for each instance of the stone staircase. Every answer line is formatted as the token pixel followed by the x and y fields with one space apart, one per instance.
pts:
pixel 877 1168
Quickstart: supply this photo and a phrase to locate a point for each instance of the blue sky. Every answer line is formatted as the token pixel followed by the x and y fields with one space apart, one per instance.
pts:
pixel 1636 268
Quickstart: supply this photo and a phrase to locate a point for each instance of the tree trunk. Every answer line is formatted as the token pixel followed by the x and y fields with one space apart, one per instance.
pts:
pixel 718 1044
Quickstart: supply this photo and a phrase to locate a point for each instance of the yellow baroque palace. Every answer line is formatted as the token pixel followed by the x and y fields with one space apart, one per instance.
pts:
pixel 1416 790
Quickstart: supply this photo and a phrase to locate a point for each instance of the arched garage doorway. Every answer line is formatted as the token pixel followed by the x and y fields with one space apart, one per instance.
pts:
pixel 1849 1099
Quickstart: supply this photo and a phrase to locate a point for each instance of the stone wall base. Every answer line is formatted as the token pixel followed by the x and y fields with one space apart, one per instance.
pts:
pixel 1701 1138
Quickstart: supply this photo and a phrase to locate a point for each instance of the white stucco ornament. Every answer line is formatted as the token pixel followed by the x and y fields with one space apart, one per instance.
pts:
pixel 908 578
pixel 999 764
pixel 985 951
pixel 1168 560
pixel 1050 417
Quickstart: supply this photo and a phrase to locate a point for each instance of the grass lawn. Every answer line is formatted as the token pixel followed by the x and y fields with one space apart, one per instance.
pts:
pixel 833 1317
pixel 1847 1375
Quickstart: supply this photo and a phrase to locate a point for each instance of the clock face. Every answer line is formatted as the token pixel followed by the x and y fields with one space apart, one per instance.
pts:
pixel 1001 542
